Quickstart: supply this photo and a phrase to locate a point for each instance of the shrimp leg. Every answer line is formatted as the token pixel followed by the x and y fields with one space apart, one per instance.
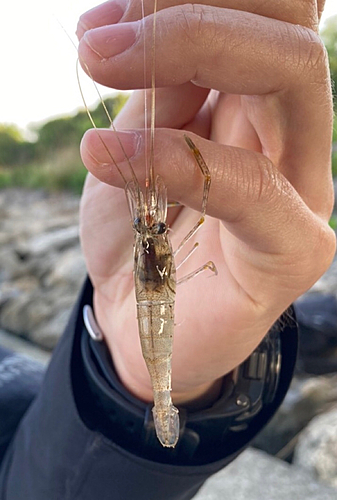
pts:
pixel 209 265
pixel 207 184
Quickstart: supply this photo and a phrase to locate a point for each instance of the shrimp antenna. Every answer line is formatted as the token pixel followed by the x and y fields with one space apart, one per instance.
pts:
pixel 145 95
pixel 153 93
pixel 95 127
pixel 134 177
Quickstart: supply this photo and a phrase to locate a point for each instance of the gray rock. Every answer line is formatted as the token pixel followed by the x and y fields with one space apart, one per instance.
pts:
pixel 47 242
pixel 23 347
pixel 24 313
pixel 328 282
pixel 38 314
pixel 12 289
pixel 41 267
pixel 69 269
pixel 316 451
pixel 49 332
pixel 255 475
pixel 11 266
pixel 306 398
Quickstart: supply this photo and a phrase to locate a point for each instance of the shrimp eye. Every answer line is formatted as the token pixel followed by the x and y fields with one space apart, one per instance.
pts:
pixel 137 224
pixel 161 228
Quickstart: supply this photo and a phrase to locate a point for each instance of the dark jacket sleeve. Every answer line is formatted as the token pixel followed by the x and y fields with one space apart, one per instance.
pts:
pixel 56 455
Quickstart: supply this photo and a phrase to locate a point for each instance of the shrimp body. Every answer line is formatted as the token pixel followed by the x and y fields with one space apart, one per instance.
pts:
pixel 155 294
pixel 154 267
pixel 155 287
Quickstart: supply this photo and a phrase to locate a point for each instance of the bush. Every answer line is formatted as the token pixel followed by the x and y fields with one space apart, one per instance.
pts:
pixel 63 172
pixel 53 162
pixel 14 150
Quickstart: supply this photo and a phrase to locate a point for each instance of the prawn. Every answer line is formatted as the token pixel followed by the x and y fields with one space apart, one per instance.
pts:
pixel 155 270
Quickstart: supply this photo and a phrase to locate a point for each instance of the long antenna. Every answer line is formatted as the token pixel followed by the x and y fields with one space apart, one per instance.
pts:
pixel 94 124
pixel 134 177
pixel 146 126
pixel 153 101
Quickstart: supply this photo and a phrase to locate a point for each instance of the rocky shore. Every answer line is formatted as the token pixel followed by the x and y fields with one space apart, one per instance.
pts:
pixel 41 265
pixel 41 272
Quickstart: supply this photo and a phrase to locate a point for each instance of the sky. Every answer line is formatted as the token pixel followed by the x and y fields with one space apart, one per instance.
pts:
pixel 38 60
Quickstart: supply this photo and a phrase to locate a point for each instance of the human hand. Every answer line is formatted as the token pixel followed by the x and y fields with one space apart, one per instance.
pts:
pixel 265 133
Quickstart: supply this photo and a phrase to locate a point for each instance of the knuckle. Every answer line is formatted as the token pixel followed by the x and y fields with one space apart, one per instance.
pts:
pixel 199 23
pixel 252 177
pixel 307 13
pixel 134 10
pixel 190 21
pixel 260 180
pixel 199 28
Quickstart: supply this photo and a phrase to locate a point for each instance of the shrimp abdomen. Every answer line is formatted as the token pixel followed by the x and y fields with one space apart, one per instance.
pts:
pixel 156 323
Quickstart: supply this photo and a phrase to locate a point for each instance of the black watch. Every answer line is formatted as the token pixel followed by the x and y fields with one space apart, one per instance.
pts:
pixel 245 403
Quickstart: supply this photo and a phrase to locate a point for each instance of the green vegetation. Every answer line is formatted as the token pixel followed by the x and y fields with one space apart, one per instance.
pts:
pixel 53 161
pixel 64 171
pixel 329 36
pixel 333 222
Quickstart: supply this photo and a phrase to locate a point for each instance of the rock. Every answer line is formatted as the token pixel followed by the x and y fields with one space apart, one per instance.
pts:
pixel 11 266
pixel 255 475
pixel 316 315
pixel 327 284
pixel 69 269
pixel 316 451
pixel 306 398
pixel 41 266
pixel 48 242
pixel 49 332
pixel 39 315
pixel 12 289
pixel 21 346
pixel 24 313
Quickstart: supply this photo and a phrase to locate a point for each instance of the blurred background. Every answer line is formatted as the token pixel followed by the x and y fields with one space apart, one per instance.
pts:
pixel 41 267
pixel 41 110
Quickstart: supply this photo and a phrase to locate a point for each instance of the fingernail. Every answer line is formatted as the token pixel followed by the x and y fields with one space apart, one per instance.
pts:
pixel 109 41
pixel 106 13
pixel 107 150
